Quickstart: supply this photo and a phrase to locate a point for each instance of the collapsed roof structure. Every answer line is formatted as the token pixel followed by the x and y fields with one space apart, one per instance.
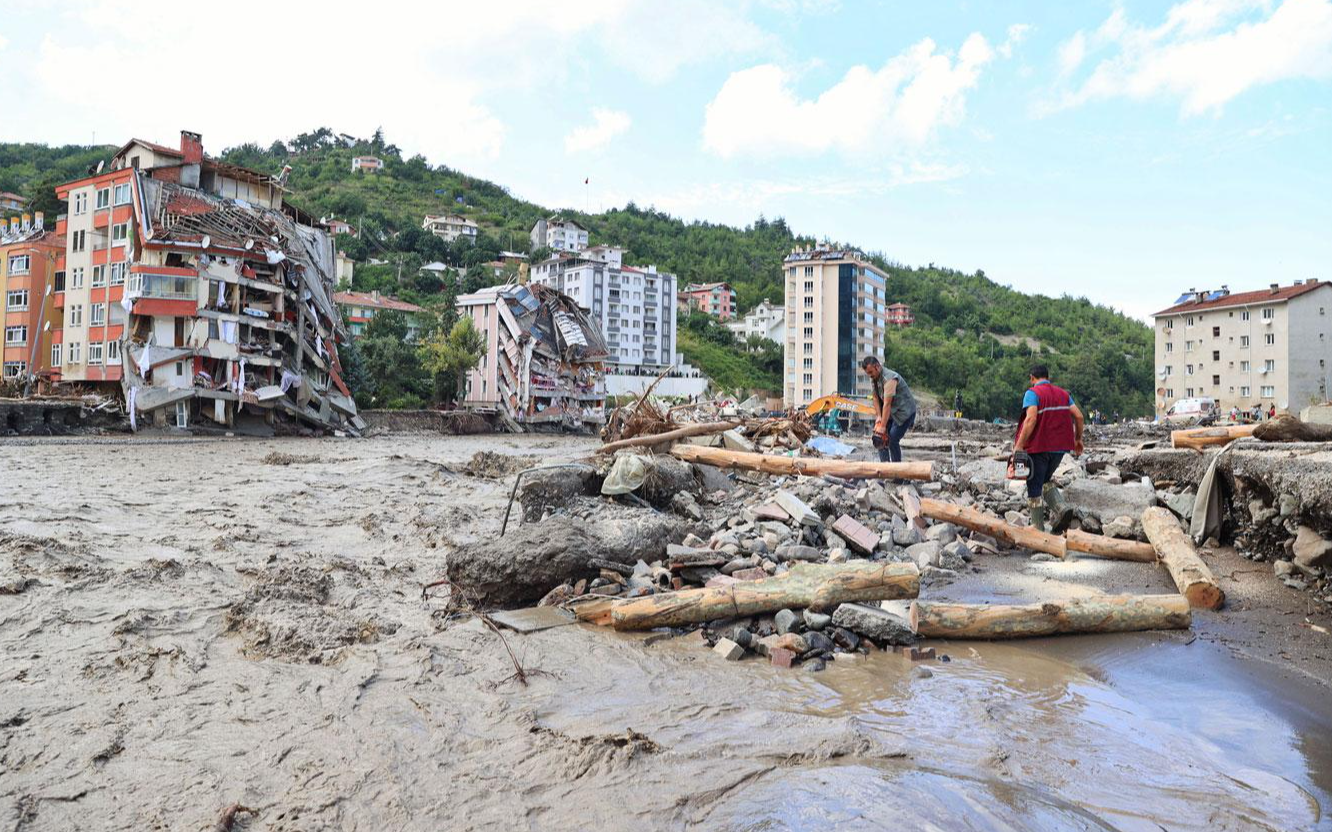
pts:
pixel 544 359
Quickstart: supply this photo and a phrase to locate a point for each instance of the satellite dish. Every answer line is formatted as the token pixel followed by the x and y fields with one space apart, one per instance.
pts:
pixel 47 328
pixel 101 165
pixel 207 241
pixel 249 244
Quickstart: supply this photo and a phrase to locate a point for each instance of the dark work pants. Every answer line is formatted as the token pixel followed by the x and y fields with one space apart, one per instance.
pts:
pixel 892 452
pixel 1043 466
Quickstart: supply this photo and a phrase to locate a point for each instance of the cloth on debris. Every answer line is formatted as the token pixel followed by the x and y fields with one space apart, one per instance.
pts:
pixel 134 394
pixel 828 446
pixel 627 474
pixel 230 331
pixel 239 385
pixel 145 364
pixel 1206 520
pixel 289 380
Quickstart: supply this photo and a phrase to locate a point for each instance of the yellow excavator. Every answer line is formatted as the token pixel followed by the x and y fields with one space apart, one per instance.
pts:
pixel 827 411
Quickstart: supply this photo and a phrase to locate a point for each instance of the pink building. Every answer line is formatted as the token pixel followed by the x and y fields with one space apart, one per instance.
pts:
pixel 716 299
pixel 899 314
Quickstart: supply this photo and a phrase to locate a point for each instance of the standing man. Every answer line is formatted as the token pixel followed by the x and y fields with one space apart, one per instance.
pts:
pixel 1051 426
pixel 894 409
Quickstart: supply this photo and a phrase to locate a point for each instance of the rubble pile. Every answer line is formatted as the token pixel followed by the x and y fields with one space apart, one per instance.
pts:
pixel 754 428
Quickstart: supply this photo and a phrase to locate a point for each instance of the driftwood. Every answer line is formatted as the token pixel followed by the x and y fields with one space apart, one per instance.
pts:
pixel 973 519
pixel 818 586
pixel 1193 578
pixel 1199 438
pixel 696 429
pixel 1105 614
pixel 1109 547
pixel 809 466
pixel 1286 428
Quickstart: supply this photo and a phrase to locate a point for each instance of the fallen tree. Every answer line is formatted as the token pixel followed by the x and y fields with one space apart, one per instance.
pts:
pixel 697 429
pixel 1109 547
pixel 1105 614
pixel 1286 428
pixel 817 586
pixel 1023 536
pixel 1199 438
pixel 808 466
pixel 1193 578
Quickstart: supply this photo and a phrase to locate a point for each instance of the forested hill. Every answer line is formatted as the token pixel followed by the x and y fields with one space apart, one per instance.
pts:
pixel 971 334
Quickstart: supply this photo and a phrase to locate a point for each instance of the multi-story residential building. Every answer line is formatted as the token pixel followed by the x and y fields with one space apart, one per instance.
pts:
pixel 29 257
pixel 558 234
pixel 336 226
pixel 716 299
pixel 344 269
pixel 369 164
pixel 10 201
pixel 899 315
pixel 1268 347
pixel 765 321
pixel 360 308
pixel 193 284
pixel 835 316
pixel 450 227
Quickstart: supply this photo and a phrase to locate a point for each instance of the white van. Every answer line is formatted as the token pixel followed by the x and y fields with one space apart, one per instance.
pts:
pixel 1191 410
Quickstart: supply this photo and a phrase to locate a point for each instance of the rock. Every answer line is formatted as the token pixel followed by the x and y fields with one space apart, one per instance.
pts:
pixel 556 488
pixel 684 504
pixel 877 499
pixel 1260 513
pixel 818 642
pixel 732 440
pixel 792 552
pixel 783 641
pixel 1015 518
pixel 848 658
pixel 944 533
pixel 785 621
pixel 1182 505
pixel 782 658
pixel 908 536
pixel 955 556
pixel 756 545
pixel 816 620
pixel 1311 550
pixel 1089 522
pixel 1104 501
pixel 728 650
pixel 693 541
pixel 1125 528
pixel 925 554
pixel 1289 505
pixel 740 564
pixel 1295 583
pixel 726 539
pixel 833 540
pixel 922 672
pixel 874 622
pixel 1043 557
pixel 983 471
pixel 797 508
pixel 1283 568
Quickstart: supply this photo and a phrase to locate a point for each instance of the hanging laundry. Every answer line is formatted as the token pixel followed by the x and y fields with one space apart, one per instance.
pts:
pixel 289 380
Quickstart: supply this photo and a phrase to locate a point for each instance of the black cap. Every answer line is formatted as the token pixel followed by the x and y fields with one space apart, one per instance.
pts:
pixel 868 361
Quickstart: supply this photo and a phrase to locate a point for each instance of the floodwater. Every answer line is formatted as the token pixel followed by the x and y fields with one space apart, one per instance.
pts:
pixel 196 627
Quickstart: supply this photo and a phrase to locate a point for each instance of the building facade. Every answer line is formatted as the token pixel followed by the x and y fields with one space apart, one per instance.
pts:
pixel 369 164
pixel 558 234
pixel 716 299
pixel 10 201
pixel 359 308
pixel 899 315
pixel 1270 347
pixel 836 315
pixel 450 227
pixel 765 321
pixel 29 257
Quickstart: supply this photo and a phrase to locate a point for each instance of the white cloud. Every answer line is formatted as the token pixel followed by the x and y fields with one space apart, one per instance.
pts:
pixel 606 125
pixel 1071 52
pixel 1016 34
pixel 757 111
pixel 4 41
pixel 1207 52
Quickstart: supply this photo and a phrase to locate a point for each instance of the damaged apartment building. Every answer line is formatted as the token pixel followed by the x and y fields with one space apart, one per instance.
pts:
pixel 196 288
pixel 545 357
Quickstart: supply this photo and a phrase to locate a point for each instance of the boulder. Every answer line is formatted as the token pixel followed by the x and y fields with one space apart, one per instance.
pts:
pixel 925 554
pixel 556 488
pixel 943 533
pixel 1105 501
pixel 875 623
pixel 1311 550
pixel 955 556
pixel 1125 528
pixel 908 536
pixel 792 552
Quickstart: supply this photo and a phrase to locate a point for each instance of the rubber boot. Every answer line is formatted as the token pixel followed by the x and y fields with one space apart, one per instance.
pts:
pixel 1036 509
pixel 1060 512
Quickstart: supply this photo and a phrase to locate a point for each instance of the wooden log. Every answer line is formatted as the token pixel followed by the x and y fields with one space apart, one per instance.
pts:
pixel 818 586
pixel 1199 438
pixel 1287 428
pixel 1104 614
pixel 808 466
pixel 1023 536
pixel 1193 577
pixel 1110 547
pixel 696 429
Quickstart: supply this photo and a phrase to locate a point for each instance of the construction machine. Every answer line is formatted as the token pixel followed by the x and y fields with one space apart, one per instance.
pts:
pixel 831 413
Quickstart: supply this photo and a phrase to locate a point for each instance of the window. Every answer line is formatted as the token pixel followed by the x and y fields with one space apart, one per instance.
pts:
pixel 15 335
pixel 15 369
pixel 75 353
pixel 1188 392
pixel 1244 341
pixel 1170 393
pixel 80 203
pixel 98 277
pixel 78 241
pixel 1269 313
pixel 809 317
pixel 809 364
pixel 119 233
pixel 103 198
pixel 96 317
pixel 55 354
pixel 1188 346
pixel 809 394
pixel 1246 391
pixel 1216 332
pixel 809 271
pixel 1170 323
pixel 809 332
pixel 1169 370
pixel 1216 355
pixel 1216 381
pixel 809 348
pixel 1244 316
pixel 180 368
pixel 1269 366
pixel 122 194
pixel 16 299
pixel 1189 322
pixel 1188 369
pixel 95 350
pixel 118 273
pixel 1244 366
pixel 75 315
pixel 59 282
pixel 19 264
pixel 809 378
pixel 809 285
pixel 1268 391
pixel 1170 347
pixel 809 302
pixel 134 162
pixel 1270 338
pixel 182 414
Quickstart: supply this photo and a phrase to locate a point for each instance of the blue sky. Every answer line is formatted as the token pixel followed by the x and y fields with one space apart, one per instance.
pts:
pixel 1125 151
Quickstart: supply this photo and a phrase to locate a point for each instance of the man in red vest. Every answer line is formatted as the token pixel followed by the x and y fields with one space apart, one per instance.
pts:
pixel 1050 427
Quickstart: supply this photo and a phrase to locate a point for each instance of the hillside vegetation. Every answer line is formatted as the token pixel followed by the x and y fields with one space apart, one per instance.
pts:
pixel 971 334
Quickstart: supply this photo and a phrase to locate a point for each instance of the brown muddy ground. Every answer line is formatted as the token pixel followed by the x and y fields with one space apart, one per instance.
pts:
pixel 198 625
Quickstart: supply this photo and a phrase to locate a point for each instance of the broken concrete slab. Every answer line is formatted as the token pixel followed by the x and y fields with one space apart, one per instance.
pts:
pixel 732 440
pixel 874 622
pixel 533 619
pixel 797 509
pixel 1106 501
pixel 856 534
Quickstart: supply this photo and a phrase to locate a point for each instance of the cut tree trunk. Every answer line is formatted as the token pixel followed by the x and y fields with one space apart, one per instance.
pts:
pixel 696 429
pixel 817 586
pixel 1105 614
pixel 1022 536
pixel 1286 428
pixel 808 466
pixel 1193 578
pixel 1110 547
pixel 1199 438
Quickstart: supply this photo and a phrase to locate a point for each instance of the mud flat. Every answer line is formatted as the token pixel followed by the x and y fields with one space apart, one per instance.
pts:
pixel 187 627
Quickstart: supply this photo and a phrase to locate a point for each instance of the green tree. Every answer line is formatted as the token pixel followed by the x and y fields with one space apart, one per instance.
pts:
pixel 450 357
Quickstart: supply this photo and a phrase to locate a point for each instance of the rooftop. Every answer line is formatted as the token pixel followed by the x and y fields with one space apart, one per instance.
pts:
pixel 1202 301
pixel 374 300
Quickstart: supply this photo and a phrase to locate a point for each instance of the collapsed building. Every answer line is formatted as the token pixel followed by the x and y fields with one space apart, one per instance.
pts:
pixel 545 357
pixel 214 297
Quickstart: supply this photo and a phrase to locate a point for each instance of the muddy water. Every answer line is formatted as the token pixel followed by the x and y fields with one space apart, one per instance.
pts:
pixel 199 628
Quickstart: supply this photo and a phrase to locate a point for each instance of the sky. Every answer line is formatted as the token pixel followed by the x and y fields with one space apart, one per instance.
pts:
pixel 1122 151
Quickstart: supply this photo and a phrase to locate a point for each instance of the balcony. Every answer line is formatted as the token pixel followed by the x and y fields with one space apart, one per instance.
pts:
pixel 162 282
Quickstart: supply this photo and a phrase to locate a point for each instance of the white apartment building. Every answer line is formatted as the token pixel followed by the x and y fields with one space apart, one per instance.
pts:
pixel 836 315
pixel 450 227
pixel 765 321
pixel 558 234
pixel 1268 347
